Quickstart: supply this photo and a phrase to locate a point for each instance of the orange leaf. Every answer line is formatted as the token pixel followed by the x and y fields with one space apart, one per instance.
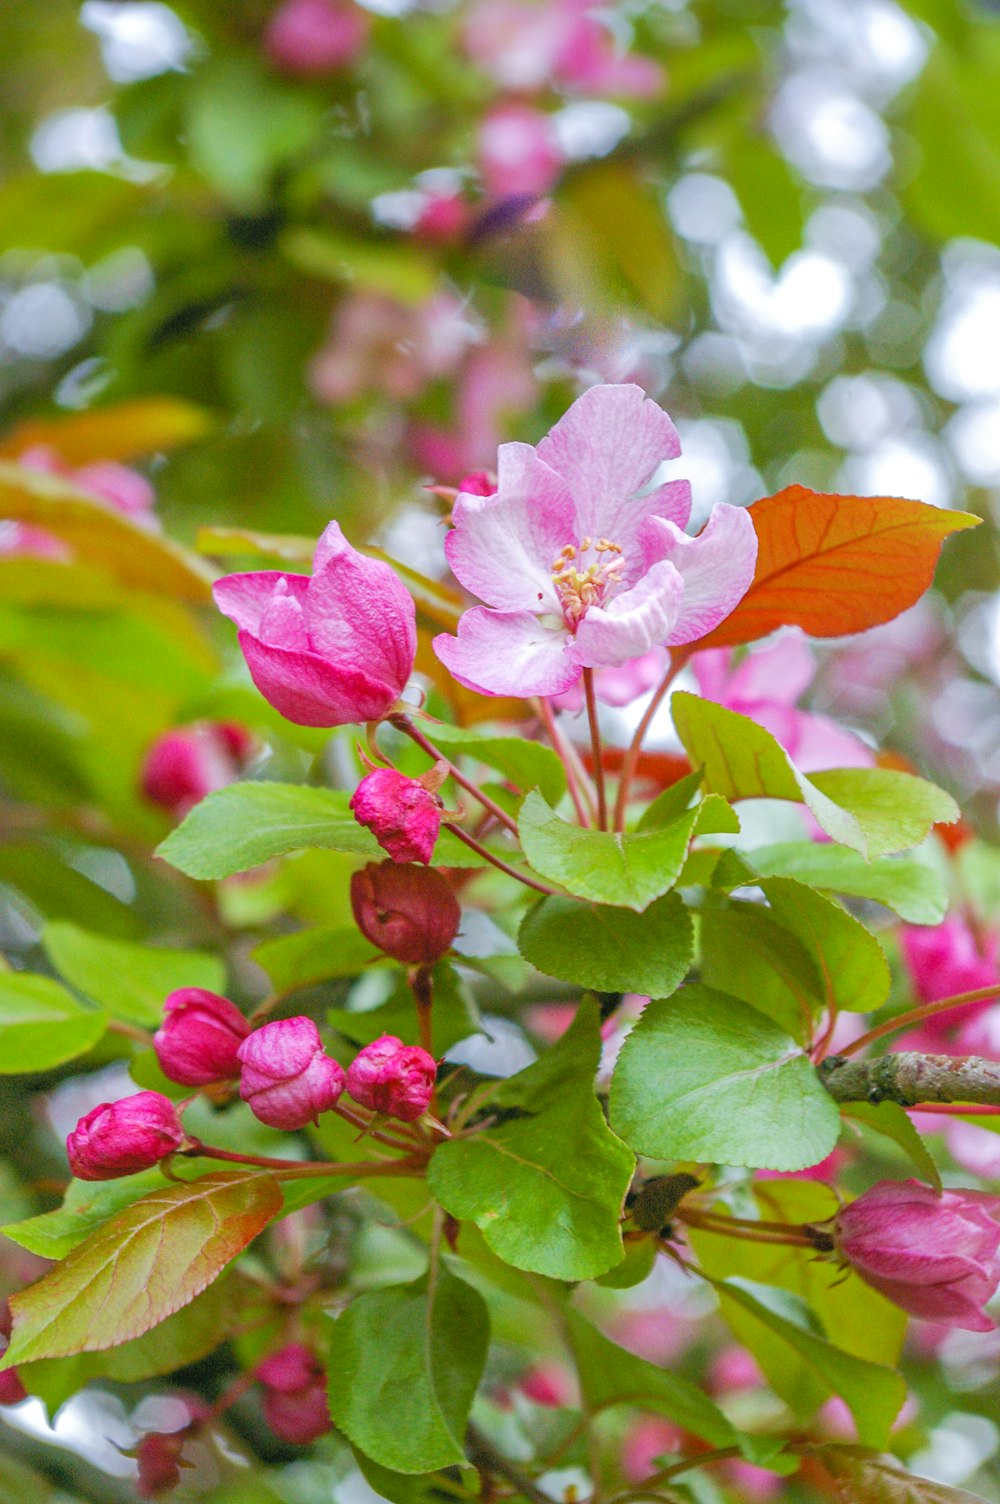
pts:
pixel 834 565
pixel 122 432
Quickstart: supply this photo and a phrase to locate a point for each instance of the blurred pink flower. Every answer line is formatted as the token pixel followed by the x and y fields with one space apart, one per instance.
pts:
pixel 380 345
pixel 647 1438
pixel 496 382
pixel 765 685
pixel 526 45
pixel 732 1369
pixel 947 959
pixel 312 37
pixel 187 763
pixel 580 566
pixel 125 490
pixel 519 150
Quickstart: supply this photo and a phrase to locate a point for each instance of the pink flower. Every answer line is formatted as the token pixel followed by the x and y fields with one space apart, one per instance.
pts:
pixel 443 219
pixel 377 344
pixel 525 46
pixel 936 1256
pixel 197 1042
pixel 581 566
pixel 124 489
pixel 121 1138
pixel 391 1077
pixel 549 1384
pixel 733 1369
pixel 328 649
pixel 402 814
pixel 287 1079
pixel 295 1406
pixel 765 685
pixel 947 959
pixel 313 37
pixel 646 1439
pixel 408 911
pixel 519 151
pixel 12 1391
pixel 189 762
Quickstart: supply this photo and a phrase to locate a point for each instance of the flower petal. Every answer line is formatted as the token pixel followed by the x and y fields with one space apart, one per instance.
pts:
pixel 717 567
pixel 358 611
pixel 508 653
pixel 502 547
pixel 310 691
pixel 607 447
pixel 245 597
pixel 635 621
pixel 779 672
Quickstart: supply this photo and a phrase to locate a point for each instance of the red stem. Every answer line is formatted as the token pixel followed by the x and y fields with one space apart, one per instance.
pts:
pixel 598 750
pixel 678 658
pixel 576 778
pixel 498 862
pixel 404 724
pixel 958 1109
pixel 917 1015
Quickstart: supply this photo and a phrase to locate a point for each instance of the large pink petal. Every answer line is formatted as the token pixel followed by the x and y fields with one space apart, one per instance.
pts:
pixel 607 448
pixel 634 622
pixel 245 597
pixel 502 547
pixel 820 743
pixel 311 691
pixel 781 671
pixel 358 612
pixel 508 653
pixel 282 621
pixel 717 567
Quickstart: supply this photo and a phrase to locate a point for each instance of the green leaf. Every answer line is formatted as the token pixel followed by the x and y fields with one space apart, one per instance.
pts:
pixel 42 1025
pixel 405 1364
pixel 889 1119
pixel 546 1190
pixel 872 810
pixel 528 765
pixel 58 891
pixel 129 980
pixel 861 1476
pixel 912 890
pixel 611 1376
pixel 87 1205
pixel 398 1488
pixel 703 1076
pixel 850 962
pixel 141 1266
pixel 623 870
pixel 610 949
pixel 242 123
pixel 315 955
pixel 748 954
pixel 671 803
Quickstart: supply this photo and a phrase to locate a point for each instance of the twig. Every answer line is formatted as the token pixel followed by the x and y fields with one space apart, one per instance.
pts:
pixel 912 1079
pixel 484 1455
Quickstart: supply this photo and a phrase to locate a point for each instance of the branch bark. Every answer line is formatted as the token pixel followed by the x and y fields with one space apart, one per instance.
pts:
pixel 910 1078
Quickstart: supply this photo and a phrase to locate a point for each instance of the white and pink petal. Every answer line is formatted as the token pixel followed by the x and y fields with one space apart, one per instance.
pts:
pixel 634 622
pixel 717 567
pixel 508 653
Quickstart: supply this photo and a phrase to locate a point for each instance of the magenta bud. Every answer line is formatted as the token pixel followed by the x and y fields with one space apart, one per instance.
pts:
pixel 197 1042
pixel 937 1256
pixel 287 1080
pixel 408 911
pixel 402 815
pixel 313 37
pixel 121 1138
pixel 187 763
pixel 295 1406
pixel 12 1391
pixel 392 1077
pixel 291 1368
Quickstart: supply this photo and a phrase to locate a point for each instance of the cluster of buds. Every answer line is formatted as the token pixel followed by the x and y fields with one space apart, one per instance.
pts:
pixel 295 1404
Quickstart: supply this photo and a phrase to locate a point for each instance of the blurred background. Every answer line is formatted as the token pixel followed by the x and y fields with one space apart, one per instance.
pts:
pixel 263 264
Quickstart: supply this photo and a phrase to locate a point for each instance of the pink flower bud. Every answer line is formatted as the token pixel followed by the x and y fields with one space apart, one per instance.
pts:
pixel 158 1459
pixel 518 151
pixel 287 1079
pixel 548 1384
pixel 313 37
pixel 936 1256
pixel 197 1042
pixel 186 764
pixel 646 1439
pixel 12 1391
pixel 327 649
pixel 295 1406
pixel 121 1138
pixel 403 816
pixel 392 1077
pixel 442 220
pixel 408 911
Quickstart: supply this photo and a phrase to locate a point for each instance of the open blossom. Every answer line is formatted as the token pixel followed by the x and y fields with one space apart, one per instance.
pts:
pixel 580 564
pixel 402 814
pixel 392 1077
pixel 120 1138
pixel 287 1079
pixel 937 1256
pixel 764 685
pixel 329 649
pixel 947 959
pixel 525 45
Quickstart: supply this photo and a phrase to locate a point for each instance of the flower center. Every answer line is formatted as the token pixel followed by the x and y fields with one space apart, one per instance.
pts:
pixel 580 586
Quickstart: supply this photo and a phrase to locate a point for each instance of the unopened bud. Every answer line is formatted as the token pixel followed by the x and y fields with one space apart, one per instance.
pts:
pixel 295 1405
pixel 121 1138
pixel 402 814
pixel 197 1042
pixel 410 912
pixel 287 1079
pixel 392 1077
pixel 12 1391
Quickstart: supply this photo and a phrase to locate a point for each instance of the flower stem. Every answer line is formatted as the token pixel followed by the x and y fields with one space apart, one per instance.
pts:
pixel 917 1015
pixel 643 1490
pixel 290 1169
pixel 678 658
pixel 958 1109
pixel 404 724
pixel 598 750
pixel 498 862
pixel 789 1234
pixel 576 776
pixel 357 1121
